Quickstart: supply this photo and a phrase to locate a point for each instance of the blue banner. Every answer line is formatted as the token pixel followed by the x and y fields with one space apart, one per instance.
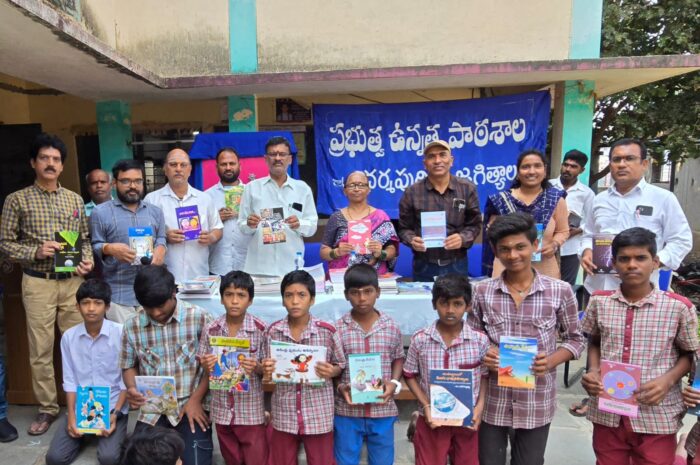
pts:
pixel 386 141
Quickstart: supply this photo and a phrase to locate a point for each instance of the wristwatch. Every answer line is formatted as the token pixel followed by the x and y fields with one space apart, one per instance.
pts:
pixel 397 384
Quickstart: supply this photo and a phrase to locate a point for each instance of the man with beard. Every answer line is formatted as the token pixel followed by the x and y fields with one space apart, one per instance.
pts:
pixel 99 189
pixel 110 223
pixel 229 253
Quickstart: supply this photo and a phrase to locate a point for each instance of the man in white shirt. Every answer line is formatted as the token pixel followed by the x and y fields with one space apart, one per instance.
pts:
pixel 229 253
pixel 632 202
pixel 277 190
pixel 579 200
pixel 186 259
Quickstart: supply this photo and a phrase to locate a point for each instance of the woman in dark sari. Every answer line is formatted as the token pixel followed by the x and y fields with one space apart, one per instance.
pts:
pixel 382 247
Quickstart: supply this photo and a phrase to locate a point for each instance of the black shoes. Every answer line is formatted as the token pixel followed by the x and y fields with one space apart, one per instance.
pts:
pixel 8 433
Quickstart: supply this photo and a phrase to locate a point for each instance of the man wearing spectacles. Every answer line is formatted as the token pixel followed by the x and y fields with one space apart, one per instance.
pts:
pixel 277 191
pixel 110 223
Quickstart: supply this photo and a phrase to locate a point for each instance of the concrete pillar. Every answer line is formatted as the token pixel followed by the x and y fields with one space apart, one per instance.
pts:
pixel 114 131
pixel 242 113
pixel 243 36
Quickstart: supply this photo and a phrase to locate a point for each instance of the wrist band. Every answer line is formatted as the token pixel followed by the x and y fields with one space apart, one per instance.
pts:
pixel 333 255
pixel 382 256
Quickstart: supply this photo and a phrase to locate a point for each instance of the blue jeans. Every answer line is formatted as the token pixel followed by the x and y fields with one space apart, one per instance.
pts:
pixel 351 432
pixel 424 271
pixel 3 400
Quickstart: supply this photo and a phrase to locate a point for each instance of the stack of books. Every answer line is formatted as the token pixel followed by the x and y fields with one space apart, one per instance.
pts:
pixel 203 287
pixel 415 288
pixel 337 276
pixel 388 284
pixel 267 285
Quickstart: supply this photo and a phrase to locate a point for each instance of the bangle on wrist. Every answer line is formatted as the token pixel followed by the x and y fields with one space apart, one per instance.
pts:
pixel 333 255
pixel 382 256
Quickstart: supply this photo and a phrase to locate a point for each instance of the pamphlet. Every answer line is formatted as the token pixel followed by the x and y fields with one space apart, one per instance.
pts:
pixel 92 409
pixel 296 363
pixel 517 354
pixel 189 222
pixel 620 380
pixel 272 225
pixel 366 383
pixel 696 385
pixel 228 374
pixel 141 242
pixel 451 397
pixel 232 198
pixel 537 254
pixel 433 229
pixel 602 254
pixel 574 220
pixel 359 234
pixel 160 393
pixel 70 255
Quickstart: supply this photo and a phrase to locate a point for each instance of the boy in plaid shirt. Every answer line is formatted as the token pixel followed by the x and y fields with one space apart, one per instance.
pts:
pixel 303 412
pixel 640 325
pixel 239 416
pixel 365 330
pixel 449 343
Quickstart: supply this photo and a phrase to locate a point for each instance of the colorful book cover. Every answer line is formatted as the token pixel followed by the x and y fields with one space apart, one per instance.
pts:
pixel 272 225
pixel 620 380
pixel 433 229
pixel 92 409
pixel 537 254
pixel 70 255
pixel 232 198
pixel 296 363
pixel 602 254
pixel 141 242
pixel 696 385
pixel 366 383
pixel 451 397
pixel 517 354
pixel 228 374
pixel 160 393
pixel 189 222
pixel 359 234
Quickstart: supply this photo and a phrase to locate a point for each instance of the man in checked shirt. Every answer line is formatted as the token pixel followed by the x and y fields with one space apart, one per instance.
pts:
pixel 523 303
pixel 640 325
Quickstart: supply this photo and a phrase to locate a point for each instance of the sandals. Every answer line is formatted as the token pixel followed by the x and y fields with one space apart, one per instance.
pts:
pixel 41 424
pixel 580 409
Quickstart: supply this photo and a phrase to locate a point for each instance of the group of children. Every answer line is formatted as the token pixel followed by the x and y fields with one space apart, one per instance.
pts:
pixel 635 324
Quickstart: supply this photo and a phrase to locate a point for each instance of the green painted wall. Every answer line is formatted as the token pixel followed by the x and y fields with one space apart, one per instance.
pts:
pixel 242 114
pixel 114 132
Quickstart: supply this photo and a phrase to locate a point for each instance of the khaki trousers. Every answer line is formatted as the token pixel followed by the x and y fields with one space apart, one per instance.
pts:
pixel 46 302
pixel 120 313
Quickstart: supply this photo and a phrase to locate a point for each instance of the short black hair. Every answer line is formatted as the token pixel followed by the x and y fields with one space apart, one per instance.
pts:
pixel 94 289
pixel 48 140
pixel 126 165
pixel 452 286
pixel 228 149
pixel 154 285
pixel 634 237
pixel 630 141
pixel 361 275
pixel 238 280
pixel 516 182
pixel 511 224
pixel 277 140
pixel 577 157
pixel 299 277
pixel 152 446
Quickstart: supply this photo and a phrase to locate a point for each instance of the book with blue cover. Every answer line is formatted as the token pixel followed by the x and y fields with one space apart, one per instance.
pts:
pixel 696 385
pixel 433 226
pixel 451 397
pixel 537 254
pixel 366 383
pixel 228 374
pixel 141 242
pixel 517 354
pixel 188 222
pixel 92 409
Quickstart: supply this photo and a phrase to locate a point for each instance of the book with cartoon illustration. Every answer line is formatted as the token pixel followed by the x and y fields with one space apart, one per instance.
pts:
pixel 296 363
pixel 70 255
pixel 160 393
pixel 92 409
pixel 517 354
pixel 451 397
pixel 189 222
pixel 359 234
pixel 272 225
pixel 433 226
pixel 141 242
pixel 620 380
pixel 366 383
pixel 537 254
pixel 602 254
pixel 228 374
pixel 232 198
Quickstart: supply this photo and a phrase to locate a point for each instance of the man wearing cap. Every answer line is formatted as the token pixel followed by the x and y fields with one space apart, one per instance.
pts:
pixel 440 191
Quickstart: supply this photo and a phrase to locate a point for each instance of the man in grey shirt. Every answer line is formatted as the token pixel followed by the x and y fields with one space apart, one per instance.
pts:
pixel 110 223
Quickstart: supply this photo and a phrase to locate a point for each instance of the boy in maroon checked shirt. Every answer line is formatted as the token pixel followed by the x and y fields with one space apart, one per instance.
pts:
pixel 239 416
pixel 303 412
pixel 449 343
pixel 639 325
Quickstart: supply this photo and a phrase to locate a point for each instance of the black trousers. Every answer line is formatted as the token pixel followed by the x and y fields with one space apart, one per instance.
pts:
pixel 198 445
pixel 569 268
pixel 526 445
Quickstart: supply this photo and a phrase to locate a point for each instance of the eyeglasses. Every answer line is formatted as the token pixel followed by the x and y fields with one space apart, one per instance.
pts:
pixel 366 291
pixel 277 154
pixel 626 159
pixel 358 186
pixel 128 182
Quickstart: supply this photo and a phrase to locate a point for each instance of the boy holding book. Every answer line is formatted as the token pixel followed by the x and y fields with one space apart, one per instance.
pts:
pixel 691 398
pixel 90 356
pixel 303 412
pixel 522 303
pixel 364 330
pixel 639 325
pixel 448 343
pixel 239 415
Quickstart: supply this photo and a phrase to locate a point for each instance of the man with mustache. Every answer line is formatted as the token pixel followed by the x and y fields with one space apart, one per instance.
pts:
pixel 109 231
pixel 30 219
pixel 229 253
pixel 99 188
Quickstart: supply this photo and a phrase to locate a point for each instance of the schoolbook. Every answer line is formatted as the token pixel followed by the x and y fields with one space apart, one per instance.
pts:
pixel 451 397
pixel 296 363
pixel 92 409
pixel 232 199
pixel 516 355
pixel 359 234
pixel 602 254
pixel 228 374
pixel 160 393
pixel 433 226
pixel 141 242
pixel 696 385
pixel 69 256
pixel 272 225
pixel 366 383
pixel 620 380
pixel 189 222
pixel 537 254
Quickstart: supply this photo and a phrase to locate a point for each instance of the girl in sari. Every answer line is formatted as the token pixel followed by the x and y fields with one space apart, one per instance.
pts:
pixel 383 244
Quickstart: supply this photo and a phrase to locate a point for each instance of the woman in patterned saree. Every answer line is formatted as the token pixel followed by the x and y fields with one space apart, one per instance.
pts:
pixel 383 244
